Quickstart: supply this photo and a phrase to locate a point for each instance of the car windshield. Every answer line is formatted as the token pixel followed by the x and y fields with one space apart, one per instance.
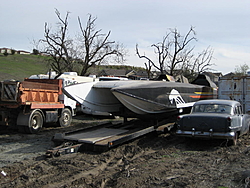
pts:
pixel 212 108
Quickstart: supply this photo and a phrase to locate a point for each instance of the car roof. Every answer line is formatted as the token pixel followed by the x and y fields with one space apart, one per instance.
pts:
pixel 218 101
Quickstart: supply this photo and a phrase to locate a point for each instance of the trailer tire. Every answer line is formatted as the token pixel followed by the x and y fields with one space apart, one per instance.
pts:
pixel 65 118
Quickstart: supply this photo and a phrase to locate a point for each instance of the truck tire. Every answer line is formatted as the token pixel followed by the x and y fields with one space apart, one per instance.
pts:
pixel 65 118
pixel 31 123
pixel 35 122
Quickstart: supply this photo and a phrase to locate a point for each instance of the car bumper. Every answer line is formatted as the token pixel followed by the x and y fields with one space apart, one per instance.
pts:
pixel 200 134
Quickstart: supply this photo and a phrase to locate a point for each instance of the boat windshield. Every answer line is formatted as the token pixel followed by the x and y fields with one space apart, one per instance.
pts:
pixel 212 108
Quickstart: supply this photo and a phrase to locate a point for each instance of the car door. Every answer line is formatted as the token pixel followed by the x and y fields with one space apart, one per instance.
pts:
pixel 245 119
pixel 240 115
pixel 236 118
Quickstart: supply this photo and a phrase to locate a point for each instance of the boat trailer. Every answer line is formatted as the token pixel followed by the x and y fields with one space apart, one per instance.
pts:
pixel 103 137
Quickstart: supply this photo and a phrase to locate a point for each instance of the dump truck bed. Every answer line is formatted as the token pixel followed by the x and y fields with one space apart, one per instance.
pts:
pixel 39 93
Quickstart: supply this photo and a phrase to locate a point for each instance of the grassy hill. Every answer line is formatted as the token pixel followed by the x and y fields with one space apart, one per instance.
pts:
pixel 20 66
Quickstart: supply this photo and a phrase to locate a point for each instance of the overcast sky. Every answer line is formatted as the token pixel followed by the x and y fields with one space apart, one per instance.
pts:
pixel 221 24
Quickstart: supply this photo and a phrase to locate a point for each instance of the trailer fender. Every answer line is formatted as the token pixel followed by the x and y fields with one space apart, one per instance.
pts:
pixel 30 122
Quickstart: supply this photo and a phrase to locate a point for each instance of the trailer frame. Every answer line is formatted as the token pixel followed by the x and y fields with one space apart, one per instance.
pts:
pixel 107 136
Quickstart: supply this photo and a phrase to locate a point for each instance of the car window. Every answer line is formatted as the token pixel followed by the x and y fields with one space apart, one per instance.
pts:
pixel 198 108
pixel 235 111
pixel 239 110
pixel 212 108
pixel 225 109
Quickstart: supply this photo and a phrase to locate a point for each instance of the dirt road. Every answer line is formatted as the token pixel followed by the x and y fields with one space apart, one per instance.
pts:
pixel 151 161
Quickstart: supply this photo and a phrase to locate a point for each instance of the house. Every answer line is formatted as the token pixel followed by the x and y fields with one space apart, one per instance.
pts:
pixel 22 52
pixel 113 72
pixel 10 51
pixel 4 50
pixel 229 75
pixel 138 75
pixel 214 77
pixel 109 72
pixel 119 72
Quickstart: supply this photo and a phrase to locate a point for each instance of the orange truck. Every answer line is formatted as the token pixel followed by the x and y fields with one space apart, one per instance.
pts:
pixel 29 104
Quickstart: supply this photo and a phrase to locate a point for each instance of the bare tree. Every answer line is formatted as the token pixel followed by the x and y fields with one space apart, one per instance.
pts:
pixel 148 65
pixel 96 47
pixel 148 68
pixel 59 46
pixel 91 48
pixel 35 45
pixel 174 53
pixel 198 64
pixel 241 70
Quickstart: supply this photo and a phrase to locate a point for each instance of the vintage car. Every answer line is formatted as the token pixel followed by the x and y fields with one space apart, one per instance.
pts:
pixel 214 119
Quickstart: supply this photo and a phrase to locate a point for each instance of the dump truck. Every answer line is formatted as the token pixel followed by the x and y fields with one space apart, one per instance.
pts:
pixel 29 104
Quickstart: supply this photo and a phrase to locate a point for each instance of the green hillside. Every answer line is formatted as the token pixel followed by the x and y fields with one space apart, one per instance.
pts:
pixel 19 66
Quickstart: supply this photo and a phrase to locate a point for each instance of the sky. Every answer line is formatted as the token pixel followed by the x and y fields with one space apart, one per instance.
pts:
pixel 222 25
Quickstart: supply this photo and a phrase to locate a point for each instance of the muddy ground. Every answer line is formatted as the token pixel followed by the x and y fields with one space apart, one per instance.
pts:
pixel 154 160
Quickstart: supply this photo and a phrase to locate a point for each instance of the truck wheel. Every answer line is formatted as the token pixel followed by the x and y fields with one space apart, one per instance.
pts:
pixel 65 118
pixel 35 122
pixel 30 123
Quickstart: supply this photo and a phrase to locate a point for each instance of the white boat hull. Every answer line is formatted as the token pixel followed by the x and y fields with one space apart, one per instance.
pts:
pixel 94 101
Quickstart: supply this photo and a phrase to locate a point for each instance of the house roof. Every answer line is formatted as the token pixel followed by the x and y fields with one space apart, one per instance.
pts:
pixel 22 51
pixel 114 72
pixel 229 75
pixel 218 74
pixel 210 74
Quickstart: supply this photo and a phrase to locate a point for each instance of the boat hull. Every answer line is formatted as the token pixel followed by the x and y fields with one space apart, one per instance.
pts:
pixel 155 97
pixel 94 100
